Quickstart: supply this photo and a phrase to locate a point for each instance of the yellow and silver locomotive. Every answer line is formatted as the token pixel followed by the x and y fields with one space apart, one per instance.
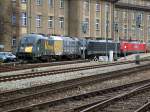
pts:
pixel 33 46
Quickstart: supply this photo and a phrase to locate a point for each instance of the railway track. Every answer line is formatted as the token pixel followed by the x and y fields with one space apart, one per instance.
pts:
pixel 52 72
pixel 18 66
pixel 129 101
pixel 144 108
pixel 9 98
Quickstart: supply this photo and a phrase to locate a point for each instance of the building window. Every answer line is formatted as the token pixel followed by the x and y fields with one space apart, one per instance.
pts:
pixel 61 21
pixel 61 3
pixel 125 31
pixel 115 14
pixel 50 21
pixel 141 16
pixel 97 6
pixel 86 5
pixel 124 15
pixel 97 24
pixel 107 7
pixel 38 21
pixel 133 31
pixel 50 3
pixel 38 2
pixel 148 17
pixel 139 20
pixel 13 19
pixel 14 43
pixel 85 25
pixel 148 31
pixel 87 22
pixel 24 19
pixel 23 1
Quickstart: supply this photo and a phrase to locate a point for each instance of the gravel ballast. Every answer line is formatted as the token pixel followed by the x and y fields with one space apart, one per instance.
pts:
pixel 24 83
pixel 41 69
pixel 83 89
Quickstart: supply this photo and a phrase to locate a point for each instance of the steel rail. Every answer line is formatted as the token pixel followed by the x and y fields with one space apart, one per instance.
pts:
pixel 18 66
pixel 82 79
pixel 144 108
pixel 106 75
pixel 91 106
pixel 103 104
pixel 52 72
pixel 74 83
pixel 81 96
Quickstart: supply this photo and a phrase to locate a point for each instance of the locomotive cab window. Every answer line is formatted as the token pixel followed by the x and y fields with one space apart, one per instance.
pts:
pixel 28 41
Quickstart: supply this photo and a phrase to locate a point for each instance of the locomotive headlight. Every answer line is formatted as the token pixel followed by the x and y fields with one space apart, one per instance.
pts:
pixel 28 49
pixel 38 48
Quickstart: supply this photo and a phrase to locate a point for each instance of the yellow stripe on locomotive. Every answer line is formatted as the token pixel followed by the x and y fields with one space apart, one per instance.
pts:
pixel 58 47
pixel 48 46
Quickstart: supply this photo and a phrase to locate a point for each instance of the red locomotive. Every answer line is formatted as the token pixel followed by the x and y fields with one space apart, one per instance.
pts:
pixel 130 47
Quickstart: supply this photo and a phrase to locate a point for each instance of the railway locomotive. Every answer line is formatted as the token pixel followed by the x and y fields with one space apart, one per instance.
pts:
pixel 133 47
pixel 39 47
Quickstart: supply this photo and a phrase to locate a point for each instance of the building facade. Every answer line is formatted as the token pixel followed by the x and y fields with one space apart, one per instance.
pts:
pixel 44 16
pixel 113 19
pixel 91 18
pixel 132 19
pixel 9 25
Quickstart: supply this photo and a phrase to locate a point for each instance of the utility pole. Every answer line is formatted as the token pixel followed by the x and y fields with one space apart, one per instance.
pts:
pixel 30 14
pixel 84 30
pixel 116 40
pixel 115 28
pixel 107 26
pixel 138 26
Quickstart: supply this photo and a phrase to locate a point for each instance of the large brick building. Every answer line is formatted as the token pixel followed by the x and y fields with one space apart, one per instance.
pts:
pixel 116 19
pixel 9 24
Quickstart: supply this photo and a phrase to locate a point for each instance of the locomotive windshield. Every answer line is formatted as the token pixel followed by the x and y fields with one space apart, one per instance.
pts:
pixel 28 41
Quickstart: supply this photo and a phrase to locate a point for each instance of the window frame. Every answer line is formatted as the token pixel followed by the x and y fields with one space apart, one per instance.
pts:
pixel 85 25
pixel 98 6
pixel 13 18
pixel 38 21
pixel 61 22
pixel 87 5
pixel 62 4
pixel 50 3
pixel 24 18
pixel 14 42
pixel 38 2
pixel 50 22
pixel 97 25
pixel 23 1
